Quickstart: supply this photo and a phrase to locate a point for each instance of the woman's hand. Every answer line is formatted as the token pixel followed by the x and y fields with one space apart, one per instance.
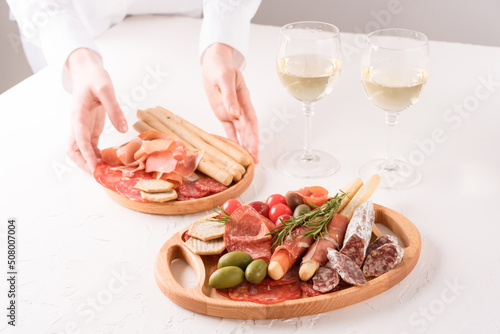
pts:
pixel 93 97
pixel 229 97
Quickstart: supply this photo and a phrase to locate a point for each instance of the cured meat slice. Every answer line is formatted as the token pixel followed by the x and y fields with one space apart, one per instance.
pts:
pixel 264 294
pixel 326 278
pixel 291 250
pixel 107 177
pixel 359 232
pixel 246 230
pixel 126 188
pixel 382 240
pixel 126 152
pixel 320 195
pixel 308 290
pixel 291 276
pixel 155 152
pixel 210 185
pixel 189 190
pixel 382 259
pixel 347 269
pixel 336 230
pixel 160 161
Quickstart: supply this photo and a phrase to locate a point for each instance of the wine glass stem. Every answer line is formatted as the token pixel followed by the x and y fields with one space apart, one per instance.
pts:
pixel 391 120
pixel 308 109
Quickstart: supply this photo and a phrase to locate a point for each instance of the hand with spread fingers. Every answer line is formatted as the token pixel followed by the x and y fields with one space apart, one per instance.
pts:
pixel 229 97
pixel 93 97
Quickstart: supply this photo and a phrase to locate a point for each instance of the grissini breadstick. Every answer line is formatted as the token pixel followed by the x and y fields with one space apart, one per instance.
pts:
pixel 196 141
pixel 230 150
pixel 316 255
pixel 361 196
pixel 141 126
pixel 205 165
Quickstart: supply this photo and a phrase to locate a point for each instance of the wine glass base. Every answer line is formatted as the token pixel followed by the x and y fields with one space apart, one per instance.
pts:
pixel 307 164
pixel 402 176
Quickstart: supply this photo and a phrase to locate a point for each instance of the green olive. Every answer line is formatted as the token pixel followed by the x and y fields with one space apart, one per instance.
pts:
pixel 238 259
pixel 256 271
pixel 226 277
pixel 293 200
pixel 300 210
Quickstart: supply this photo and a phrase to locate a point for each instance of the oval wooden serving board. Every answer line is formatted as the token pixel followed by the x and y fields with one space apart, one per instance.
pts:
pixel 190 206
pixel 204 299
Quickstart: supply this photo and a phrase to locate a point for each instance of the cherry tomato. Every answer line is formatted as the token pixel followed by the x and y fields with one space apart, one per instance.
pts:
pixel 230 205
pixel 275 199
pixel 261 208
pixel 278 210
pixel 283 219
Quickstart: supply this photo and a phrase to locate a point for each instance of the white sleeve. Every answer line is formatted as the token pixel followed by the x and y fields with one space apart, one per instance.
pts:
pixel 55 27
pixel 227 22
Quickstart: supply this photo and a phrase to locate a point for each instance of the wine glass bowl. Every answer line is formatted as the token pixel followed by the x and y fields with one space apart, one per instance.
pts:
pixel 394 72
pixel 308 65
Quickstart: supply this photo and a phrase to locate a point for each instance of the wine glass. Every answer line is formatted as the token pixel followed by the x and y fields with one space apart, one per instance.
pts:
pixel 394 71
pixel 308 64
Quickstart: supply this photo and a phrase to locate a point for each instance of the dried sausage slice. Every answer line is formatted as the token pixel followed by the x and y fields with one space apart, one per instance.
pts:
pixel 210 185
pixel 188 190
pixel 347 268
pixel 326 278
pixel 382 259
pixel 358 233
pixel 385 239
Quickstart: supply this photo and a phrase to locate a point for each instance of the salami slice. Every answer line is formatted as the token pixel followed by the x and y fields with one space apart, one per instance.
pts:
pixel 291 276
pixel 385 239
pixel 189 190
pixel 359 232
pixel 264 294
pixel 382 259
pixel 347 268
pixel 326 278
pixel 126 188
pixel 308 290
pixel 247 231
pixel 107 177
pixel 210 185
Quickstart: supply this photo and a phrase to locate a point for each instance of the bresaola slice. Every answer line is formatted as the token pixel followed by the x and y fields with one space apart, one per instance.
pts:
pixel 247 231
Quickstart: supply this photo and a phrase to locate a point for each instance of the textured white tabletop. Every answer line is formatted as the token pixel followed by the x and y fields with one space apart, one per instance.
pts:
pixel 85 264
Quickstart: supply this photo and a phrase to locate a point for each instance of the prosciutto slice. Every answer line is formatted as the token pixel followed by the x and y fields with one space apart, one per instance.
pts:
pixel 336 230
pixel 156 153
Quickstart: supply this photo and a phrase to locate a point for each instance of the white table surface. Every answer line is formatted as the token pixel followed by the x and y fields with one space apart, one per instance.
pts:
pixel 86 264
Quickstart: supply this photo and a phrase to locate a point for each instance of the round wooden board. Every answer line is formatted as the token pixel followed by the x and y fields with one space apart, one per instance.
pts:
pixel 190 206
pixel 204 299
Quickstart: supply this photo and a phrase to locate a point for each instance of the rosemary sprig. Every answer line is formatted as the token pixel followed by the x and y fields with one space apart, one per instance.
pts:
pixel 221 217
pixel 317 220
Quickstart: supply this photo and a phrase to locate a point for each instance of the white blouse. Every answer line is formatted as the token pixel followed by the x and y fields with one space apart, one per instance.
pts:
pixel 59 27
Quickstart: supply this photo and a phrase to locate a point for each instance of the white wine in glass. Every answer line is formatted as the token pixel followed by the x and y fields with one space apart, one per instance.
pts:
pixel 308 65
pixel 394 72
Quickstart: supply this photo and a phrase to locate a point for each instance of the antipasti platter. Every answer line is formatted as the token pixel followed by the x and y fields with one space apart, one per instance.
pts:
pixel 292 292
pixel 173 167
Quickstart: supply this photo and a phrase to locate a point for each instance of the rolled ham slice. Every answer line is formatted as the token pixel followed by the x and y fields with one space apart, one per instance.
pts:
pixel 317 254
pixel 285 256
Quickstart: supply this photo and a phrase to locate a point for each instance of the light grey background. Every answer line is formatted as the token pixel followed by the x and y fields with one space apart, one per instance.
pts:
pixel 466 21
